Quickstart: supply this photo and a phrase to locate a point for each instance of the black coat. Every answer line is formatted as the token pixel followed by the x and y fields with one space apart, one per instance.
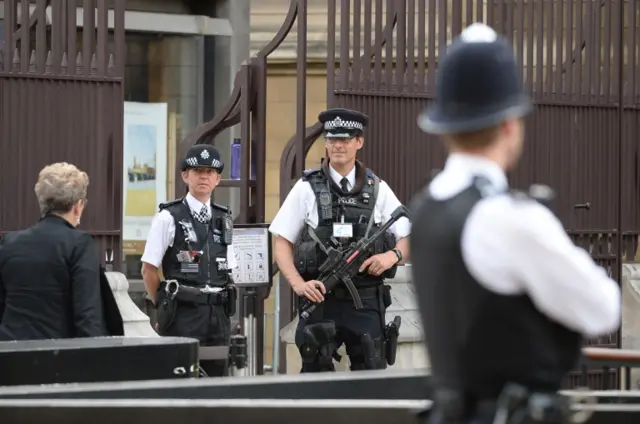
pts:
pixel 52 285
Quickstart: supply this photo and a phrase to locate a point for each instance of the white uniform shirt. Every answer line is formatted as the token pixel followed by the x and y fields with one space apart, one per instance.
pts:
pixel 163 231
pixel 301 208
pixel 513 247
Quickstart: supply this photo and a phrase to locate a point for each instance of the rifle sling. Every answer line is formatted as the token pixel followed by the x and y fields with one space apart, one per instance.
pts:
pixel 373 211
pixel 315 238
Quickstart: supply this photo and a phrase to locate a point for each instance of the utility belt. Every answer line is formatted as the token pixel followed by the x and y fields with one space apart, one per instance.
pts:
pixel 342 293
pixel 172 294
pixel 208 295
pixel 515 405
pixel 378 290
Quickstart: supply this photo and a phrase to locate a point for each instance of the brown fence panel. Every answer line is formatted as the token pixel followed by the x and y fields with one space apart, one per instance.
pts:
pixel 578 60
pixel 61 99
pixel 579 140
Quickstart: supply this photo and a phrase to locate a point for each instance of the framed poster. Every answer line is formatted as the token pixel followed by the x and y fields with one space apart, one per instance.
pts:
pixel 252 248
pixel 145 167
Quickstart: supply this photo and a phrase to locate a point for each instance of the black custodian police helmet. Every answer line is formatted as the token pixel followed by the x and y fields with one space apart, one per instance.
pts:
pixel 202 156
pixel 343 123
pixel 478 85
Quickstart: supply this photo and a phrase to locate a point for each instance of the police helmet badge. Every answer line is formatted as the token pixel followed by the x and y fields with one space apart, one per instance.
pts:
pixel 478 85
pixel 202 156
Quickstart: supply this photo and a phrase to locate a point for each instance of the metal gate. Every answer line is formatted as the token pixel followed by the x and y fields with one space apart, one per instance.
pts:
pixel 61 99
pixel 578 59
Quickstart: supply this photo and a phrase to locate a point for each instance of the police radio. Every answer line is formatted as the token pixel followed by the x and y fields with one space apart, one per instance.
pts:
pixel 324 199
pixel 227 230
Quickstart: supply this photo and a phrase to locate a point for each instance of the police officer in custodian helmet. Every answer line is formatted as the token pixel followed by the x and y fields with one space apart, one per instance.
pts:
pixel 504 294
pixel 341 202
pixel 190 240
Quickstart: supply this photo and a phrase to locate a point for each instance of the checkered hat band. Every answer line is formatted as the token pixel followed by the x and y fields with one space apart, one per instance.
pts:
pixel 339 123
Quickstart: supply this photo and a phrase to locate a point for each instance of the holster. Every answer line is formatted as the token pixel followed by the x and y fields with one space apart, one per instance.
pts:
pixel 373 352
pixel 391 329
pixel 166 311
pixel 232 300
pixel 316 343
pixel 391 333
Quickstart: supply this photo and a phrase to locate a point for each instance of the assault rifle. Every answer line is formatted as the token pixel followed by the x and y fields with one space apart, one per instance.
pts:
pixel 342 265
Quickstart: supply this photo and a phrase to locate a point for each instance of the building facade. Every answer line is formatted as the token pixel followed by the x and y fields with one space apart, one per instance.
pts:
pixel 176 57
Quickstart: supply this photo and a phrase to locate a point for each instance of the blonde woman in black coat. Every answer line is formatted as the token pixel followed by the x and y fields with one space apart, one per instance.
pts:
pixel 50 275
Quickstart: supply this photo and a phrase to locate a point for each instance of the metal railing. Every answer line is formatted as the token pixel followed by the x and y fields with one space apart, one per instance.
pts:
pixel 614 364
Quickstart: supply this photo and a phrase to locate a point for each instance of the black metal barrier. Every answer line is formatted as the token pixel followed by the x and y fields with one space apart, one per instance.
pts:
pixel 193 411
pixel 396 385
pixel 170 411
pixel 369 396
pixel 97 359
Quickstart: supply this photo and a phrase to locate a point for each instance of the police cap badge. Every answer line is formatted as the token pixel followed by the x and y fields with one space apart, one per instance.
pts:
pixel 202 156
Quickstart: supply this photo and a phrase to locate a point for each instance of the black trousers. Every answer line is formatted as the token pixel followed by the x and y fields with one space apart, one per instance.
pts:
pixel 351 325
pixel 207 323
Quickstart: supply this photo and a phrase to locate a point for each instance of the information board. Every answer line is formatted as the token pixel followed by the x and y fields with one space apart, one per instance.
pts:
pixel 252 250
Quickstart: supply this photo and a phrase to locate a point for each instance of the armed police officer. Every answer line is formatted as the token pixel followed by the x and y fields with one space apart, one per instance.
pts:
pixel 504 294
pixel 190 241
pixel 331 207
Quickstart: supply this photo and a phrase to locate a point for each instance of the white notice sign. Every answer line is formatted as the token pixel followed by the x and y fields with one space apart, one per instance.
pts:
pixel 251 247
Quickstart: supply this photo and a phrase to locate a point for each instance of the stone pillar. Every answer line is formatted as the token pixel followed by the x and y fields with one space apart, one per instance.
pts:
pixel 411 351
pixel 136 323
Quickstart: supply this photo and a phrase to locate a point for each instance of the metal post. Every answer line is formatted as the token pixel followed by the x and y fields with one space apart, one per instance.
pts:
pixel 250 330
pixel 275 360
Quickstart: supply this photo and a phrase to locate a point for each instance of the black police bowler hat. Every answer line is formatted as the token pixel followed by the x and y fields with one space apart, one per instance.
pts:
pixel 202 156
pixel 478 85
pixel 343 123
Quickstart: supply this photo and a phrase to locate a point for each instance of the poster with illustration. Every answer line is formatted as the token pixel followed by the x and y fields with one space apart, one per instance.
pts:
pixel 144 167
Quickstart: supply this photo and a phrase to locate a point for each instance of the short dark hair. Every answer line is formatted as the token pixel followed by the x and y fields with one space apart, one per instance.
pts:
pixel 476 139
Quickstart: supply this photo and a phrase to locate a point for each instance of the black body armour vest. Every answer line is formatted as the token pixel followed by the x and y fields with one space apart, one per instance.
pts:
pixel 356 207
pixel 207 243
pixel 478 340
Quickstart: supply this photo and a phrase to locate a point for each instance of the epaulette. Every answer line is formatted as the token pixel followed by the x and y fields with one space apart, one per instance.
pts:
pixel 542 194
pixel 484 186
pixel 309 172
pixel 165 205
pixel 224 209
pixel 371 176
pixel 520 196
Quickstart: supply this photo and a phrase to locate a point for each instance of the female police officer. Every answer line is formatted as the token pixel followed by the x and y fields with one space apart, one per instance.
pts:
pixel 342 201
pixel 504 294
pixel 190 238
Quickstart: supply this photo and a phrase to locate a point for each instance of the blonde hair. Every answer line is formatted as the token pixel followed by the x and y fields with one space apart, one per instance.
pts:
pixel 59 187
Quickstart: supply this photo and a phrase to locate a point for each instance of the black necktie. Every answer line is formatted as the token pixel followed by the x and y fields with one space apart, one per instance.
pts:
pixel 344 185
